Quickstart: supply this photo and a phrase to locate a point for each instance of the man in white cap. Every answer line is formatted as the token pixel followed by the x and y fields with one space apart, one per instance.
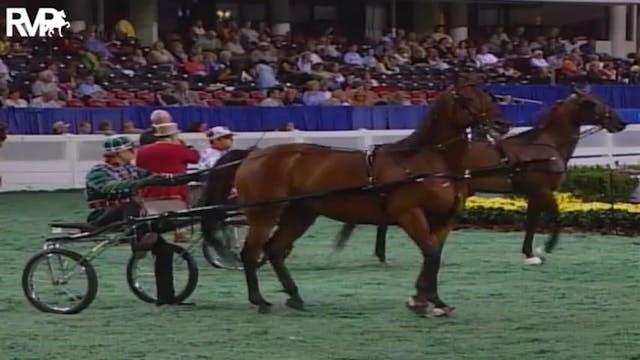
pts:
pixel 157 117
pixel 220 140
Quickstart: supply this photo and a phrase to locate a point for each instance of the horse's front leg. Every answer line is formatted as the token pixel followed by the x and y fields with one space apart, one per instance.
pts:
pixel 531 224
pixel 381 243
pixel 551 208
pixel 417 227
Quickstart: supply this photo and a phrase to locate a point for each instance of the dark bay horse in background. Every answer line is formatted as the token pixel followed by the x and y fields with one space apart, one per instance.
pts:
pixel 424 208
pixel 535 164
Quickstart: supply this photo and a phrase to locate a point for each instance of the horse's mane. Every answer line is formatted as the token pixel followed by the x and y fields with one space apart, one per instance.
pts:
pixel 420 136
pixel 544 120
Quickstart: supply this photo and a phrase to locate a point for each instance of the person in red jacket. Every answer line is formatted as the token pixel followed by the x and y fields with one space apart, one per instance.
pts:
pixel 168 155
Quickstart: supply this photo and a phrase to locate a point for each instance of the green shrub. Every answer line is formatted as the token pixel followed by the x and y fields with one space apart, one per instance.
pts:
pixel 596 183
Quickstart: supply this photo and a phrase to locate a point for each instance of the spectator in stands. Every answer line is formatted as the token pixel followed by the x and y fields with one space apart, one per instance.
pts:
pixel 208 42
pixel 89 89
pixel 434 60
pixel 166 97
pixel 509 71
pixel 569 68
pixel 177 50
pixel 184 95
pixel 105 128
pixel 248 34
pixel 157 117
pixel 196 65
pixel 124 29
pixel 197 30
pixel 439 32
pixel 45 83
pixel 138 59
pixel 234 46
pixel 608 73
pixel 84 128
pixel 445 49
pixel 352 56
pixel 48 99
pixel 315 95
pixel 5 45
pixel 265 76
pixel 128 127
pixel 59 128
pixel 485 58
pixel 96 46
pixel 539 63
pixel 197 127
pixel 588 48
pixel 15 99
pixel 291 97
pixel 4 73
pixel 264 52
pixel 274 97
pixel 496 40
pixel 160 55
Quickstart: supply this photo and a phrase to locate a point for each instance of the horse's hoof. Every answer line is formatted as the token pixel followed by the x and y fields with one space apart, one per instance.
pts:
pixel 443 311
pixel 539 252
pixel 264 308
pixel 533 261
pixel 296 304
pixel 419 308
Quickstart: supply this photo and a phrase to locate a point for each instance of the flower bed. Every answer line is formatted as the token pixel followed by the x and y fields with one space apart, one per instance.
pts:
pixel 508 214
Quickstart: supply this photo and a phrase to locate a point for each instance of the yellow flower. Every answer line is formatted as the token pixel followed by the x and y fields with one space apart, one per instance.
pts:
pixel 566 203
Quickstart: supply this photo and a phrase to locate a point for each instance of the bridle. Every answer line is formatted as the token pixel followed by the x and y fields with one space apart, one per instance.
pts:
pixel 479 118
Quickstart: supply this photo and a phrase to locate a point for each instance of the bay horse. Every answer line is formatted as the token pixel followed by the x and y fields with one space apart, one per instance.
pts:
pixel 423 208
pixel 535 163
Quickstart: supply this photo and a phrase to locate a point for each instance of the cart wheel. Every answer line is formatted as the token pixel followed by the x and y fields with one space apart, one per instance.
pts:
pixel 141 275
pixel 232 235
pixel 71 280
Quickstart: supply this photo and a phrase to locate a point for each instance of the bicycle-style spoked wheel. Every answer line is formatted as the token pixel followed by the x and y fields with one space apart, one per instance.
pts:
pixel 141 275
pixel 59 281
pixel 232 236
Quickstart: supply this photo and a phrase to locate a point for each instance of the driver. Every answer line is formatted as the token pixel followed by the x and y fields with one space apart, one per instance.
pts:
pixel 111 190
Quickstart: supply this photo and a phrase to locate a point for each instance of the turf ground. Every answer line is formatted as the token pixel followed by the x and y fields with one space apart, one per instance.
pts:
pixel 584 303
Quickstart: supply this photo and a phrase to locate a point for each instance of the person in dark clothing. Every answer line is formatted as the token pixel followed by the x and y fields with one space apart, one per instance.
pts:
pixel 111 190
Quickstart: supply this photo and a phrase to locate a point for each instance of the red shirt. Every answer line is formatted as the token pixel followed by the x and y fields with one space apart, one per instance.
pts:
pixel 168 158
pixel 194 67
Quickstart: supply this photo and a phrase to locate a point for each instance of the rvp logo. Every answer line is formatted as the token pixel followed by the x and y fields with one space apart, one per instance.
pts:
pixel 47 20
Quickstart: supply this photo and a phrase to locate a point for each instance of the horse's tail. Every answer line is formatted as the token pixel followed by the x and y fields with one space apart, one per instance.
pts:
pixel 344 235
pixel 218 187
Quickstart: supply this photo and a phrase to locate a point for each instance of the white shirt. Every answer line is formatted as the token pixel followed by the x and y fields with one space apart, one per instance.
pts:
pixel 487 59
pixel 209 158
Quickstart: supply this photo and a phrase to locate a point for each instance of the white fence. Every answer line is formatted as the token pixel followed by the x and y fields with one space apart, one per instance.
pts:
pixel 51 162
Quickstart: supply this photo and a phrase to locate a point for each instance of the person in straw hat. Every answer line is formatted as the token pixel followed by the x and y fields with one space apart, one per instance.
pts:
pixel 157 117
pixel 168 155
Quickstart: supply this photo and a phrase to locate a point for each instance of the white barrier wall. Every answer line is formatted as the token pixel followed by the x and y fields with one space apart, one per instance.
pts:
pixel 51 162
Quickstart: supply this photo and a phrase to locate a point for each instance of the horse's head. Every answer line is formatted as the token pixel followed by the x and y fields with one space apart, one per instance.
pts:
pixel 473 106
pixel 593 111
pixel 4 129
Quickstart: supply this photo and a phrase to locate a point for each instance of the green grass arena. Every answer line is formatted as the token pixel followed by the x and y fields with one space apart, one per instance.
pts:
pixel 583 303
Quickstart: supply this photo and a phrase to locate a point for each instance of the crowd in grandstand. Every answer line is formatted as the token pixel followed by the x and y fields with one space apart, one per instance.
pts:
pixel 247 65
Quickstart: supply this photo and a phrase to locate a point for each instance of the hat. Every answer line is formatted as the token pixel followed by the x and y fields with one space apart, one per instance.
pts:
pixel 60 124
pixel 115 144
pixel 165 130
pixel 218 132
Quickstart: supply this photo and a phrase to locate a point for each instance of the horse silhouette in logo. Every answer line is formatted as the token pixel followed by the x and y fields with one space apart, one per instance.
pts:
pixel 58 22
